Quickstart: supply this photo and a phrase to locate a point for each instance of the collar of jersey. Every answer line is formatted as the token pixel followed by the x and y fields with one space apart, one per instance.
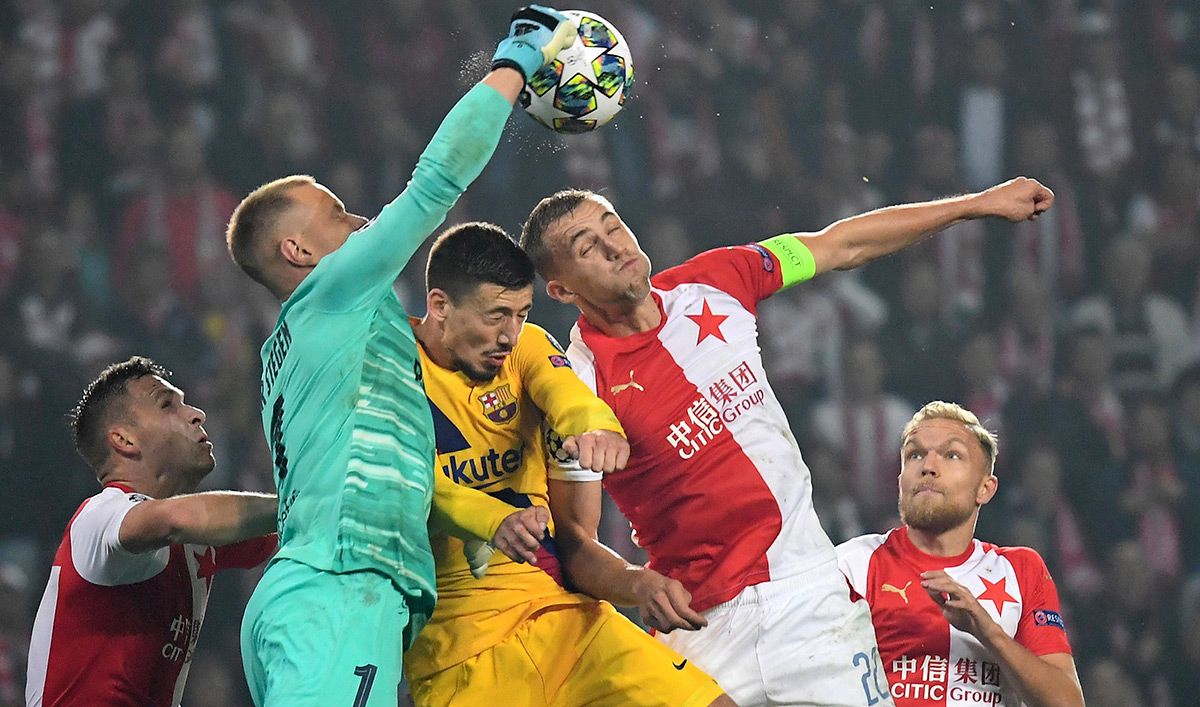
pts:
pixel 624 343
pixel 931 562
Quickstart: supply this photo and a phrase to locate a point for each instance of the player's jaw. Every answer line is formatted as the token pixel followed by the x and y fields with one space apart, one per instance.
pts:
pixel 483 366
pixel 929 506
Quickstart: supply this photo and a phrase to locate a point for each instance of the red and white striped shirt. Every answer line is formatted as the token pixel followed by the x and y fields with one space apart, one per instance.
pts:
pixel 118 628
pixel 928 661
pixel 715 488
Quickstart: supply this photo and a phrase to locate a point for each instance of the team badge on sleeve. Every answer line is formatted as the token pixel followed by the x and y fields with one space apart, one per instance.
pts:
pixel 1048 617
pixel 560 361
pixel 499 405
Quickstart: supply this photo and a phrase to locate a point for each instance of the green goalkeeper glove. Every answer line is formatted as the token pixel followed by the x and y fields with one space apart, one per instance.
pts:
pixel 536 35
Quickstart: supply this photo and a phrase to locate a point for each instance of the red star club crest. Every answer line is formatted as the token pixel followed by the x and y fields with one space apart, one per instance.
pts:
pixel 709 323
pixel 996 594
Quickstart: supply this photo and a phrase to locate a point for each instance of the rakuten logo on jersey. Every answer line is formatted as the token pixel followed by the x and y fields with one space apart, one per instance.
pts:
pixel 727 399
pixel 469 471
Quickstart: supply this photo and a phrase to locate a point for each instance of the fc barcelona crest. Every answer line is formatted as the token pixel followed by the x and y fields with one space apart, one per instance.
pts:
pixel 499 405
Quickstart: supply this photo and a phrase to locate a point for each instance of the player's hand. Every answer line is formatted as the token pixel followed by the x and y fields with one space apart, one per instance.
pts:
pixel 536 34
pixel 520 534
pixel 958 604
pixel 1020 199
pixel 602 451
pixel 664 604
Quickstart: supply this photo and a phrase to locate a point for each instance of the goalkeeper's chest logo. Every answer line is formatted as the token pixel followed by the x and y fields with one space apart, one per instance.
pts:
pixel 499 405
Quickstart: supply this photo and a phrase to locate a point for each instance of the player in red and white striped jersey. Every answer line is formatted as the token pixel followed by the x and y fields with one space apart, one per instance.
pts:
pixel 959 621
pixel 715 487
pixel 126 596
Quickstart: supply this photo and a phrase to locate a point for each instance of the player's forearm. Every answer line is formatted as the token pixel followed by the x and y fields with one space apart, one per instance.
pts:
pixel 463 144
pixel 1039 683
pixel 858 240
pixel 596 569
pixel 465 513
pixel 507 81
pixel 210 518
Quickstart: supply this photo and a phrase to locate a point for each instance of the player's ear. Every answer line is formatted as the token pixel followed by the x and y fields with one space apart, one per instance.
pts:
pixel 987 489
pixel 295 253
pixel 438 304
pixel 123 441
pixel 558 291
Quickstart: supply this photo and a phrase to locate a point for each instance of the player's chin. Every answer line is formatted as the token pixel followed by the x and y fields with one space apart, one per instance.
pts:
pixel 483 372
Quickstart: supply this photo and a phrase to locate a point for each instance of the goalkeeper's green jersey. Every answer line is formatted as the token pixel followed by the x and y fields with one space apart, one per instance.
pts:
pixel 343 406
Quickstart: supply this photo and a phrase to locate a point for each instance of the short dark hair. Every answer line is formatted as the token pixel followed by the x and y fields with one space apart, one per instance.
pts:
pixel 252 222
pixel 103 399
pixel 547 211
pixel 471 254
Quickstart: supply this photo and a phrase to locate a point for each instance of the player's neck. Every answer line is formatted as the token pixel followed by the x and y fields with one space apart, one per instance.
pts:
pixel 429 336
pixel 624 319
pixel 949 543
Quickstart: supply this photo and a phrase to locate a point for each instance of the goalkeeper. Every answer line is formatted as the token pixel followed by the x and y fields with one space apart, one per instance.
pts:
pixel 345 414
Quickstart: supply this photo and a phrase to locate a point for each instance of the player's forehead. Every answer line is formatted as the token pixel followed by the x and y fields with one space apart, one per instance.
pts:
pixel 151 387
pixel 314 194
pixel 490 297
pixel 936 432
pixel 591 213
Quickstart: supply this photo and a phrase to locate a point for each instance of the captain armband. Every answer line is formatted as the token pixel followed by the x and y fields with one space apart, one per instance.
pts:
pixel 796 261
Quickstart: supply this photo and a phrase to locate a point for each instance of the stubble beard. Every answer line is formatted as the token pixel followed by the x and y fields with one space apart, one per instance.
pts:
pixel 932 515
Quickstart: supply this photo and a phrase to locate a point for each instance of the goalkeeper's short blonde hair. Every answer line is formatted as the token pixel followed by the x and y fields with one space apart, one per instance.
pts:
pixel 941 410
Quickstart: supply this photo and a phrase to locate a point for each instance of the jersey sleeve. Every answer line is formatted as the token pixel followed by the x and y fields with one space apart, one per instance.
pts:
pixel 465 512
pixel 96 547
pixel 570 407
pixel 373 257
pixel 854 560
pixel 1041 628
pixel 750 273
pixel 248 553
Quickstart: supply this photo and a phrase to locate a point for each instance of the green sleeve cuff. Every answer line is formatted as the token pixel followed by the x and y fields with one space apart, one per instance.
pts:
pixel 796 263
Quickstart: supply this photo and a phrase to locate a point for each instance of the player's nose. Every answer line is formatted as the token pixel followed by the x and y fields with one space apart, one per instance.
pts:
pixel 198 416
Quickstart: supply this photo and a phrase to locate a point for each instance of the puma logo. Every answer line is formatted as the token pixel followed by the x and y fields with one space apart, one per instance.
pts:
pixel 626 386
pixel 902 591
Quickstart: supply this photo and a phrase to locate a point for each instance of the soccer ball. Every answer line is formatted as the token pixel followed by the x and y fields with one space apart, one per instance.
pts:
pixel 586 85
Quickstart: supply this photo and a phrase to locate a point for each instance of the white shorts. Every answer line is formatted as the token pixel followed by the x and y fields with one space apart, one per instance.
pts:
pixel 793 641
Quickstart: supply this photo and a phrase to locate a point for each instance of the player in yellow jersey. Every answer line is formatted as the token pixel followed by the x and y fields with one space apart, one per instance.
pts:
pixel 498 387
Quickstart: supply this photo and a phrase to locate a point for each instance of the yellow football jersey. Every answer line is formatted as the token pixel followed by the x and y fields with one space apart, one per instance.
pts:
pixel 490 438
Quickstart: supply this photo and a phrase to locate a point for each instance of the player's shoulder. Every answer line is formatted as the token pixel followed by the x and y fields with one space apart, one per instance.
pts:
pixel 110 498
pixel 706 267
pixel 861 548
pixel 1021 557
pixel 533 335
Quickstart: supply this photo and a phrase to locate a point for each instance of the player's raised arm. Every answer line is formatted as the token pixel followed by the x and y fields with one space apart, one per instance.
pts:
pixel 283 230
pixel 458 151
pixel 855 241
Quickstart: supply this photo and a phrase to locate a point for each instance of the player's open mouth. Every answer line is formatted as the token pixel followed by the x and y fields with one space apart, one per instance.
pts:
pixel 498 358
pixel 927 489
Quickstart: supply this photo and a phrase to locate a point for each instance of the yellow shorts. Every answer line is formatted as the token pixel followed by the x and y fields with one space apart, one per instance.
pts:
pixel 579 654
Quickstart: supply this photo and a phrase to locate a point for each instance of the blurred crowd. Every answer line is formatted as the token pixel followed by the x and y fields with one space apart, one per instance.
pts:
pixel 129 130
